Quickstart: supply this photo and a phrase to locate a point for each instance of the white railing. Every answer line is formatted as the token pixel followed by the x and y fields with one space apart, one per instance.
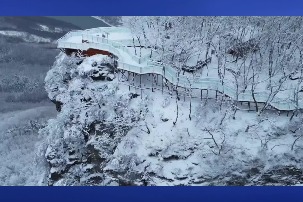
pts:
pixel 170 73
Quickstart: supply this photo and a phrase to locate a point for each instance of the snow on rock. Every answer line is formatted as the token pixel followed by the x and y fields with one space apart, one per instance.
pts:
pixel 99 67
pixel 93 119
pixel 45 28
pixel 105 135
pixel 211 148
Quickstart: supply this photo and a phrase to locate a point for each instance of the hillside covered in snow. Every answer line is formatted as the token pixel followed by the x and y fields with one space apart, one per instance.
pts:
pixel 110 133
pixel 114 127
pixel 27 52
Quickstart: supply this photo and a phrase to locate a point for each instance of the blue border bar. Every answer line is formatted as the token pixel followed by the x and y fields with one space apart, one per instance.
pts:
pixel 151 7
pixel 153 194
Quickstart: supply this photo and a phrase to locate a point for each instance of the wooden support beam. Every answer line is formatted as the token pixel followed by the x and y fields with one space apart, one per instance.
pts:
pixel 152 83
pixel 123 74
pixel 128 80
pixel 141 93
pixel 133 81
pixel 141 85
pixel 167 84
pixel 118 76
pixel 162 83
pixel 155 77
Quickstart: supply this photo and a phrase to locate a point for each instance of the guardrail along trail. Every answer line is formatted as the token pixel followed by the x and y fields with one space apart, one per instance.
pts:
pixel 97 38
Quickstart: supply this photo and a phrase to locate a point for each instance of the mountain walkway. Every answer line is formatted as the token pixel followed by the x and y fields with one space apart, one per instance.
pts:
pixel 98 38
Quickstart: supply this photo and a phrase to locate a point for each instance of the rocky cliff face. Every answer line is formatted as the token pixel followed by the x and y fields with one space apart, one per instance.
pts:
pixel 93 118
pixel 108 135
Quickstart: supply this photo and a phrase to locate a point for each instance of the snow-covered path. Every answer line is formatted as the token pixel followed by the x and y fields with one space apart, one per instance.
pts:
pixel 116 44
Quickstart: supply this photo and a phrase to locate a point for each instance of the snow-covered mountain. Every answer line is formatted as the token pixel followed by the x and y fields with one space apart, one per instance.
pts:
pixel 109 131
pixel 34 29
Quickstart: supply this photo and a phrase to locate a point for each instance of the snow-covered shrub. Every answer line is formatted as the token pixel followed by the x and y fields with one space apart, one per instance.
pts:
pixel 17 83
pixel 56 80
pixel 213 115
pixel 34 95
pixel 17 152
pixel 93 63
pixel 166 102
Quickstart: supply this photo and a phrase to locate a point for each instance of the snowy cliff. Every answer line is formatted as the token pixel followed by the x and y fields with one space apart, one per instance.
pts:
pixel 108 135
